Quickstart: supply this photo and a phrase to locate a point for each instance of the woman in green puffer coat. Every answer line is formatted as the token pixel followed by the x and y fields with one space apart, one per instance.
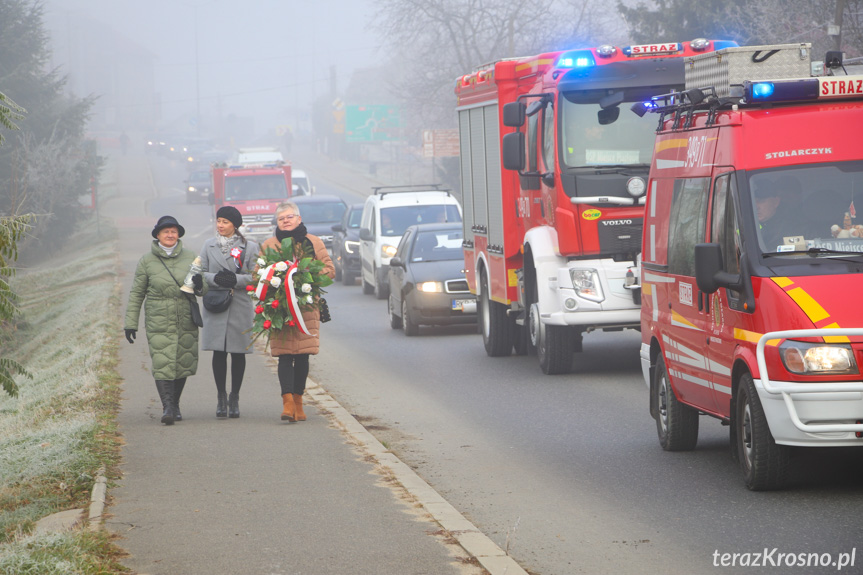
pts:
pixel 171 332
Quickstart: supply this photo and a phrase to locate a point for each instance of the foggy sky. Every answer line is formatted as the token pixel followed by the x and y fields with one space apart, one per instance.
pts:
pixel 260 58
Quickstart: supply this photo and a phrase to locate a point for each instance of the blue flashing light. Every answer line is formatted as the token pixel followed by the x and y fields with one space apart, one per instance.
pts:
pixel 579 59
pixel 800 90
pixel 720 44
pixel 762 90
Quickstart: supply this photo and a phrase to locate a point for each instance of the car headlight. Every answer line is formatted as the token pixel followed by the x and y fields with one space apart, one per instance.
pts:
pixel 586 284
pixel 817 358
pixel 388 251
pixel 191 188
pixel 351 247
pixel 430 287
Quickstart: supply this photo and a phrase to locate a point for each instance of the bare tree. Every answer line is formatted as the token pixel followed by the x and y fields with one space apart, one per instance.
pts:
pixel 435 41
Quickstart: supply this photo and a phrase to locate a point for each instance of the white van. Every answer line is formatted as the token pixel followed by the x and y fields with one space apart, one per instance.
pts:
pixel 300 181
pixel 387 213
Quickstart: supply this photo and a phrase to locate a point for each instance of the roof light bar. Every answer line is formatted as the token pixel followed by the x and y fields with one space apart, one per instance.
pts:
pixel 576 59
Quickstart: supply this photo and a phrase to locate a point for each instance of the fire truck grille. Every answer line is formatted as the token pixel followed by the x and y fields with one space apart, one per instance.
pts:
pixel 620 239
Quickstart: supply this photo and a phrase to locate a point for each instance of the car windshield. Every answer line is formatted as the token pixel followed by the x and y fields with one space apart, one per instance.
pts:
pixel 199 177
pixel 437 246
pixel 808 209
pixel 394 221
pixel 242 188
pixel 585 142
pixel 319 213
pixel 354 218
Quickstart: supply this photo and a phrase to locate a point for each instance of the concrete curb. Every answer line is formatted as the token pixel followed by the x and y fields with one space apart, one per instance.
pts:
pixel 471 539
pixel 97 501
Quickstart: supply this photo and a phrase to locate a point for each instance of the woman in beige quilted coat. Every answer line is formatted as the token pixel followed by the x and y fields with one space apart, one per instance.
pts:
pixel 289 345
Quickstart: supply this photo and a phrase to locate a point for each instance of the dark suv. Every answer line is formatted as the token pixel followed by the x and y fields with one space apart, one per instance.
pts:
pixel 346 245
pixel 198 186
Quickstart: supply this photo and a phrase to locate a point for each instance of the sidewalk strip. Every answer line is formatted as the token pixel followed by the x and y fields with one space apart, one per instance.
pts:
pixel 471 539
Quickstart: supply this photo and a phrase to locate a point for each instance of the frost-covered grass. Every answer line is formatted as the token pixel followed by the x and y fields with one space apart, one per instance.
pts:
pixel 60 430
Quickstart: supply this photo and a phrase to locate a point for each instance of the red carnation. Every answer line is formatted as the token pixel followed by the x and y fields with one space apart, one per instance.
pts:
pixel 250 288
pixel 275 303
pixel 259 309
pixel 267 324
pixel 291 323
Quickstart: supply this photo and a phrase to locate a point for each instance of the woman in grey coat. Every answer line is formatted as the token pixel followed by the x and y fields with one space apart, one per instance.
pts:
pixel 227 261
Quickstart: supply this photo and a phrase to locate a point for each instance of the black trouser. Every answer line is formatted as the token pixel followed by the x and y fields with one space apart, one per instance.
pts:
pixel 220 370
pixel 293 371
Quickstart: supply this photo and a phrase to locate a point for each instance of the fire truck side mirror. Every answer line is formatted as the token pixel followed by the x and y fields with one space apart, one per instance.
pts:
pixel 513 151
pixel 513 114
pixel 211 198
pixel 708 263
pixel 709 272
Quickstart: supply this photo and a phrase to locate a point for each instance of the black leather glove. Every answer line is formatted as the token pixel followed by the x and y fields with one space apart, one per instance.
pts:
pixel 131 334
pixel 198 282
pixel 225 279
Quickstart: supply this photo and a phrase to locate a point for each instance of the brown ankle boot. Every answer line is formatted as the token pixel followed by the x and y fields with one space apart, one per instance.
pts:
pixel 288 411
pixel 298 407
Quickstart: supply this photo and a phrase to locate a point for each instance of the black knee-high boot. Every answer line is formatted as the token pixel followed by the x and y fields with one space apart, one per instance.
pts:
pixel 166 394
pixel 179 384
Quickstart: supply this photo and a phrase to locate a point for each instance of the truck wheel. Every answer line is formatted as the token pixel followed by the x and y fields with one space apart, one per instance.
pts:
pixel 348 279
pixel 554 344
pixel 494 323
pixel 382 288
pixel 409 327
pixel 676 423
pixel 395 321
pixel 763 461
pixel 368 288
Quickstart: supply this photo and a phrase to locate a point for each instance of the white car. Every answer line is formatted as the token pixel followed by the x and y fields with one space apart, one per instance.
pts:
pixel 387 213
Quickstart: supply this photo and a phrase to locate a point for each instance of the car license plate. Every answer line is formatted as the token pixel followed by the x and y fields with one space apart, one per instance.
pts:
pixel 460 304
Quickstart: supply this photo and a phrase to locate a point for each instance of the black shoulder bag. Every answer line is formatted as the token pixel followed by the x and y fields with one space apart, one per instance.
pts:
pixel 193 301
pixel 218 301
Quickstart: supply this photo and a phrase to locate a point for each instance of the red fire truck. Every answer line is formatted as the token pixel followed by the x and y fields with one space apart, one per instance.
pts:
pixel 752 264
pixel 255 190
pixel 553 181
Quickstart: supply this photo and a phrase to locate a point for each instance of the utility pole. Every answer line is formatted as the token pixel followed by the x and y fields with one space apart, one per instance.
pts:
pixel 197 79
pixel 837 22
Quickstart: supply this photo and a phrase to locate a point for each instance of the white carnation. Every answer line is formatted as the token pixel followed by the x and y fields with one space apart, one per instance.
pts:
pixel 261 262
pixel 276 282
pixel 281 266
pixel 307 288
pixel 309 299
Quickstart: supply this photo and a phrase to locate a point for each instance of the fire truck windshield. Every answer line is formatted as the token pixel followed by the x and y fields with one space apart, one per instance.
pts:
pixel 258 187
pixel 585 142
pixel 809 209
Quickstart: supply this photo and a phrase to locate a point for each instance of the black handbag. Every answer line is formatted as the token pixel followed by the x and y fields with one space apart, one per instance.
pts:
pixel 196 311
pixel 218 301
pixel 325 311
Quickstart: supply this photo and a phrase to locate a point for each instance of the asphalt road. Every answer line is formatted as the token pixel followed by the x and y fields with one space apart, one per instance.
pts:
pixel 565 471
